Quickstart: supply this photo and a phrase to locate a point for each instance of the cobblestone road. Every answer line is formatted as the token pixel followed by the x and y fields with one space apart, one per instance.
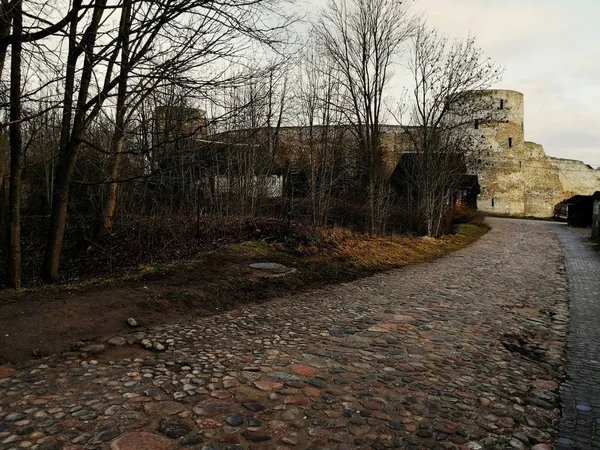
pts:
pixel 464 352
pixel 580 393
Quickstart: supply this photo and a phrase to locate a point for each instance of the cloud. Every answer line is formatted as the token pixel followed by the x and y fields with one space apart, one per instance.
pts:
pixel 550 52
pixel 549 49
pixel 501 27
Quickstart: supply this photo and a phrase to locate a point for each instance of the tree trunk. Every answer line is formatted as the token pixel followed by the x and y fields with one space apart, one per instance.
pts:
pixel 58 216
pixel 4 32
pixel 70 143
pixel 16 154
pixel 4 160
pixel 111 198
pixel 3 182
pixel 119 133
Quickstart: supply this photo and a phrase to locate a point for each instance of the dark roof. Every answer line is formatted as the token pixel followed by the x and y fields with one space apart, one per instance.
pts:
pixel 469 182
pixel 596 195
pixel 576 200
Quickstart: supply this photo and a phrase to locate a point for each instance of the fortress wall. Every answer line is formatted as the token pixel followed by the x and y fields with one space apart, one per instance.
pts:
pixel 542 187
pixel 534 151
pixel 501 177
pixel 394 142
pixel 296 146
pixel 576 177
pixel 521 180
pixel 517 178
pixel 501 190
pixel 511 103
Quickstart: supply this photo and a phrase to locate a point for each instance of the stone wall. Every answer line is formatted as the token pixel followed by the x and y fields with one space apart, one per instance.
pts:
pixel 518 178
pixel 303 146
pixel 576 177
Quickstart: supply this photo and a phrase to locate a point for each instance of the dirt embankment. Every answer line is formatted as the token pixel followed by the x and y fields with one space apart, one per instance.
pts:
pixel 49 320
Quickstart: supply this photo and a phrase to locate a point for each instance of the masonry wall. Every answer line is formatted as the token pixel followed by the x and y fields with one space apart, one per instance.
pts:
pixel 502 190
pixel 518 178
pixel 576 177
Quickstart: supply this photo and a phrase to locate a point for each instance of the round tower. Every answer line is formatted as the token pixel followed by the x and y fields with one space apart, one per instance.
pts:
pixel 501 121
pixel 501 128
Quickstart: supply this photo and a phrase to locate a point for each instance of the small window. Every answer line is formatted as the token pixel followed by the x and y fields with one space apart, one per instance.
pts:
pixel 510 142
pixel 501 104
pixel 493 201
pixel 476 124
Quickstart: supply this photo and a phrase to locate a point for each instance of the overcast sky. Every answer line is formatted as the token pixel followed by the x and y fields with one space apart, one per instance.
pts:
pixel 551 52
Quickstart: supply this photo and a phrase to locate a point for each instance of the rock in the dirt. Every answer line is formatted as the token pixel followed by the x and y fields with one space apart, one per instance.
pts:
pixel 50 445
pixel 234 420
pixel 14 417
pixel 7 372
pixel 255 436
pixel 141 441
pixel 117 341
pixel 132 323
pixel 158 346
pixel 192 439
pixel 174 427
pixel 94 349
pixel 146 343
pixel 275 267
pixel 474 446
pixel 138 336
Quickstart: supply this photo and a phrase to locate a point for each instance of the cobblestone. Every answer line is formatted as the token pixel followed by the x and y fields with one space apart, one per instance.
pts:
pixel 465 352
pixel 580 393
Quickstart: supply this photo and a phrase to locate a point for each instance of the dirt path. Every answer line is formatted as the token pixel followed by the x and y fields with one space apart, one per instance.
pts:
pixel 464 352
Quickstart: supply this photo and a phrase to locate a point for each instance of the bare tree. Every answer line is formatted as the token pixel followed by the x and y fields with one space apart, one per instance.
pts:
pixel 5 26
pixel 362 38
pixel 74 122
pixel 11 19
pixel 166 40
pixel 120 119
pixel 16 150
pixel 322 132
pixel 444 108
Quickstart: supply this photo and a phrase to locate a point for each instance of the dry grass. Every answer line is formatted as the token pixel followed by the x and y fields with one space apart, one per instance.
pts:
pixel 376 253
pixel 324 257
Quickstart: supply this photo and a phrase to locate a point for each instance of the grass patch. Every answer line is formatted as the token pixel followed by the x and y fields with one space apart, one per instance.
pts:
pixel 377 253
pixel 329 256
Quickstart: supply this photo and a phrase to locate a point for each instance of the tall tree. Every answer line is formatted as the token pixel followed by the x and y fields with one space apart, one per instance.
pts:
pixel 444 108
pixel 165 42
pixel 362 38
pixel 5 25
pixel 318 91
pixel 16 149
pixel 120 119
pixel 13 35
pixel 71 132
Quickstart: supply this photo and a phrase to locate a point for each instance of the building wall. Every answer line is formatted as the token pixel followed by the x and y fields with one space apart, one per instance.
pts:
pixel 301 146
pixel 521 180
pixel 500 177
pixel 576 177
pixel 517 177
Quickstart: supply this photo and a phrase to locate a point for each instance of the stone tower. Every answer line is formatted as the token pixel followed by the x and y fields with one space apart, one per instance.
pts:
pixel 516 178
